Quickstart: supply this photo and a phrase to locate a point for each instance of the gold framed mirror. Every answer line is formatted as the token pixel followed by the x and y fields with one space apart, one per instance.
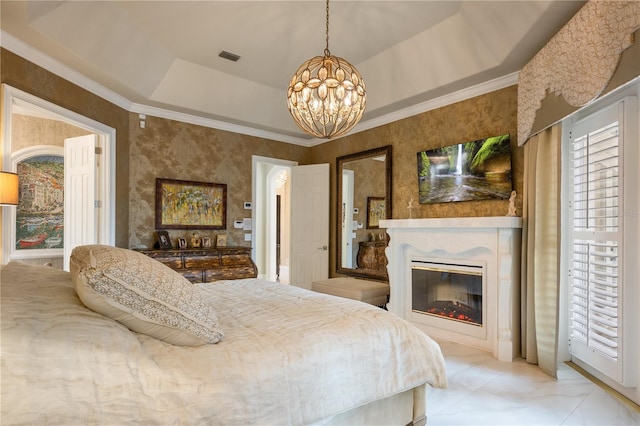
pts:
pixel 363 197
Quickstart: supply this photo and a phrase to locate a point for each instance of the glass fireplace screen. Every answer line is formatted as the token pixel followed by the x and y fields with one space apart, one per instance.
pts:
pixel 449 291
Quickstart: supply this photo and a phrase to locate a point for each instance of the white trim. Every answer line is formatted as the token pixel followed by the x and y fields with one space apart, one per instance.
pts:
pixel 39 58
pixel 215 124
pixel 107 169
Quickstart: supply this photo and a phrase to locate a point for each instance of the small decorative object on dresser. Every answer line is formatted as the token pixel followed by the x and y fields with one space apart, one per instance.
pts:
pixel 221 240
pixel 195 240
pixel 182 243
pixel 206 242
pixel 163 240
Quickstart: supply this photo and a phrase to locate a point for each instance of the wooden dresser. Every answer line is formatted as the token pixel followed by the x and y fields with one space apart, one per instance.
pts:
pixel 206 265
pixel 371 256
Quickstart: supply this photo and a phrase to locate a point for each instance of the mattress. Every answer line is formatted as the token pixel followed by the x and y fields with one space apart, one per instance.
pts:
pixel 288 356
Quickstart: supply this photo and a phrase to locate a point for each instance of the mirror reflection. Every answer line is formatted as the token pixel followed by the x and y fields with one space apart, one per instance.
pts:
pixel 364 198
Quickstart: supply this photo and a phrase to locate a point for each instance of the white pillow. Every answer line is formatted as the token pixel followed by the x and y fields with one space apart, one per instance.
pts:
pixel 143 294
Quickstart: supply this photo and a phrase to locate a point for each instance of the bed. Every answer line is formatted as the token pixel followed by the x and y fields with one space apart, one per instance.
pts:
pixel 283 355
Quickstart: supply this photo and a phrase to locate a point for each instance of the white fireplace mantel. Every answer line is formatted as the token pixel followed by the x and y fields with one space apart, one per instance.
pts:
pixel 491 241
pixel 455 222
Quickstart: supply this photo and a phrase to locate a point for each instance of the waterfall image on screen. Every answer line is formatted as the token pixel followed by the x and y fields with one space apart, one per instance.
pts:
pixel 477 170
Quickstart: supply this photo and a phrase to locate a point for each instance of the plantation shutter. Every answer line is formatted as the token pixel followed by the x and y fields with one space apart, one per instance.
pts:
pixel 595 281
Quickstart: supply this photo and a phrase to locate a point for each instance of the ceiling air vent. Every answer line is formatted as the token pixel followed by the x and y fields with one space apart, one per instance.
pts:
pixel 230 56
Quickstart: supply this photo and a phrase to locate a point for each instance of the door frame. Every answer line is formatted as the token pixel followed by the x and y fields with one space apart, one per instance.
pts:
pixel 262 167
pixel 15 99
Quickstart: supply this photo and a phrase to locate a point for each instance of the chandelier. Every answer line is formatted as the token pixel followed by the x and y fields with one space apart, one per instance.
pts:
pixel 326 96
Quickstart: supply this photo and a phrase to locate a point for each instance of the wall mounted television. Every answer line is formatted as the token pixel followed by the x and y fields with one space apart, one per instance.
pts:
pixel 476 170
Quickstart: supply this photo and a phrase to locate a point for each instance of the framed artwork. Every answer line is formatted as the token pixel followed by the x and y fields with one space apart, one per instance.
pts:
pixel 221 240
pixel 206 242
pixel 182 204
pixel 39 216
pixel 182 243
pixel 163 240
pixel 468 171
pixel 376 210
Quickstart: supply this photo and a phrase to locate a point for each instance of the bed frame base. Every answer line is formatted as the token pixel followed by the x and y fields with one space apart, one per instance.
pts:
pixel 402 409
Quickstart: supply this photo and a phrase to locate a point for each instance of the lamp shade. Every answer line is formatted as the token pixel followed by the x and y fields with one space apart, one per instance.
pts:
pixel 8 189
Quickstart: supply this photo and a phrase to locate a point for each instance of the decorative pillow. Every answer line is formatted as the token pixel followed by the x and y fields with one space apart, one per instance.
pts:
pixel 142 294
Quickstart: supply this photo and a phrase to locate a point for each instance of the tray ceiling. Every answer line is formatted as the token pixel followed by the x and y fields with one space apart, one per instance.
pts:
pixel 163 55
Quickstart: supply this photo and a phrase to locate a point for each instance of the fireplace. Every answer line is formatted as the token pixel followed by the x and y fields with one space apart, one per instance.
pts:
pixel 448 291
pixel 458 279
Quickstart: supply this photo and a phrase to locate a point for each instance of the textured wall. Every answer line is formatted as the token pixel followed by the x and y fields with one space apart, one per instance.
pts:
pixel 30 131
pixel 174 150
pixel 369 182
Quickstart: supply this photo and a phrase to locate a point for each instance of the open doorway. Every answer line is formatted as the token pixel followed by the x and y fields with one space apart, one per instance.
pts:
pixel 31 109
pixel 271 215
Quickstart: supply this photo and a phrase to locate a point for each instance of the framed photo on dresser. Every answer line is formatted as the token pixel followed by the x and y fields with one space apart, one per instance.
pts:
pixel 182 243
pixel 163 240
pixel 221 240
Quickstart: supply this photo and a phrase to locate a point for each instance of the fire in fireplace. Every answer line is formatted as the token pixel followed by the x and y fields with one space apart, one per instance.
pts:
pixel 447 290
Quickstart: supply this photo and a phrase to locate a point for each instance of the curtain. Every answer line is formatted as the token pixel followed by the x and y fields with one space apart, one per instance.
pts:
pixel 541 255
pixel 579 63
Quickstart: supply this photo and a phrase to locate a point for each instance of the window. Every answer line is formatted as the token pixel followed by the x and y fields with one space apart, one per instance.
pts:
pixel 596 259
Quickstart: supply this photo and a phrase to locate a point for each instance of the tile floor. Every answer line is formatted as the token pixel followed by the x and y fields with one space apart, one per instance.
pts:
pixel 484 391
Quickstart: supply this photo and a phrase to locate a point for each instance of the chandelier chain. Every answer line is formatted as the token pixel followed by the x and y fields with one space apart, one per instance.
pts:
pixel 326 49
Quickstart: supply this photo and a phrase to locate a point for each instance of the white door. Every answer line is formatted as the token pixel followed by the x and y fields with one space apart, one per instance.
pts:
pixel 309 224
pixel 79 196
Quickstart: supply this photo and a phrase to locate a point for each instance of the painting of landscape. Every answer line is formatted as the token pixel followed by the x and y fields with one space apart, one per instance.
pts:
pixel 476 170
pixel 39 214
pixel 190 205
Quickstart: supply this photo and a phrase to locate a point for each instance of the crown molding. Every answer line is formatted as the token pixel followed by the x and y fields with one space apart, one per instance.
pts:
pixel 214 124
pixel 442 101
pixel 39 58
pixel 35 56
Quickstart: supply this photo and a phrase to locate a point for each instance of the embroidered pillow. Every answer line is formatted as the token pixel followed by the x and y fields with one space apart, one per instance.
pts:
pixel 142 294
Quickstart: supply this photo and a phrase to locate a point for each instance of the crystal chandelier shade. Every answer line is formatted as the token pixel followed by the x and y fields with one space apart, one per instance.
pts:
pixel 326 96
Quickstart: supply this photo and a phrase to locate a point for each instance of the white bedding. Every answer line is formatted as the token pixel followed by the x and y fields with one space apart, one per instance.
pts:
pixel 288 356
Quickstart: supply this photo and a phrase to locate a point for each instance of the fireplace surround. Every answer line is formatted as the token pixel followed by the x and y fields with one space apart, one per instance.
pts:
pixel 490 245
